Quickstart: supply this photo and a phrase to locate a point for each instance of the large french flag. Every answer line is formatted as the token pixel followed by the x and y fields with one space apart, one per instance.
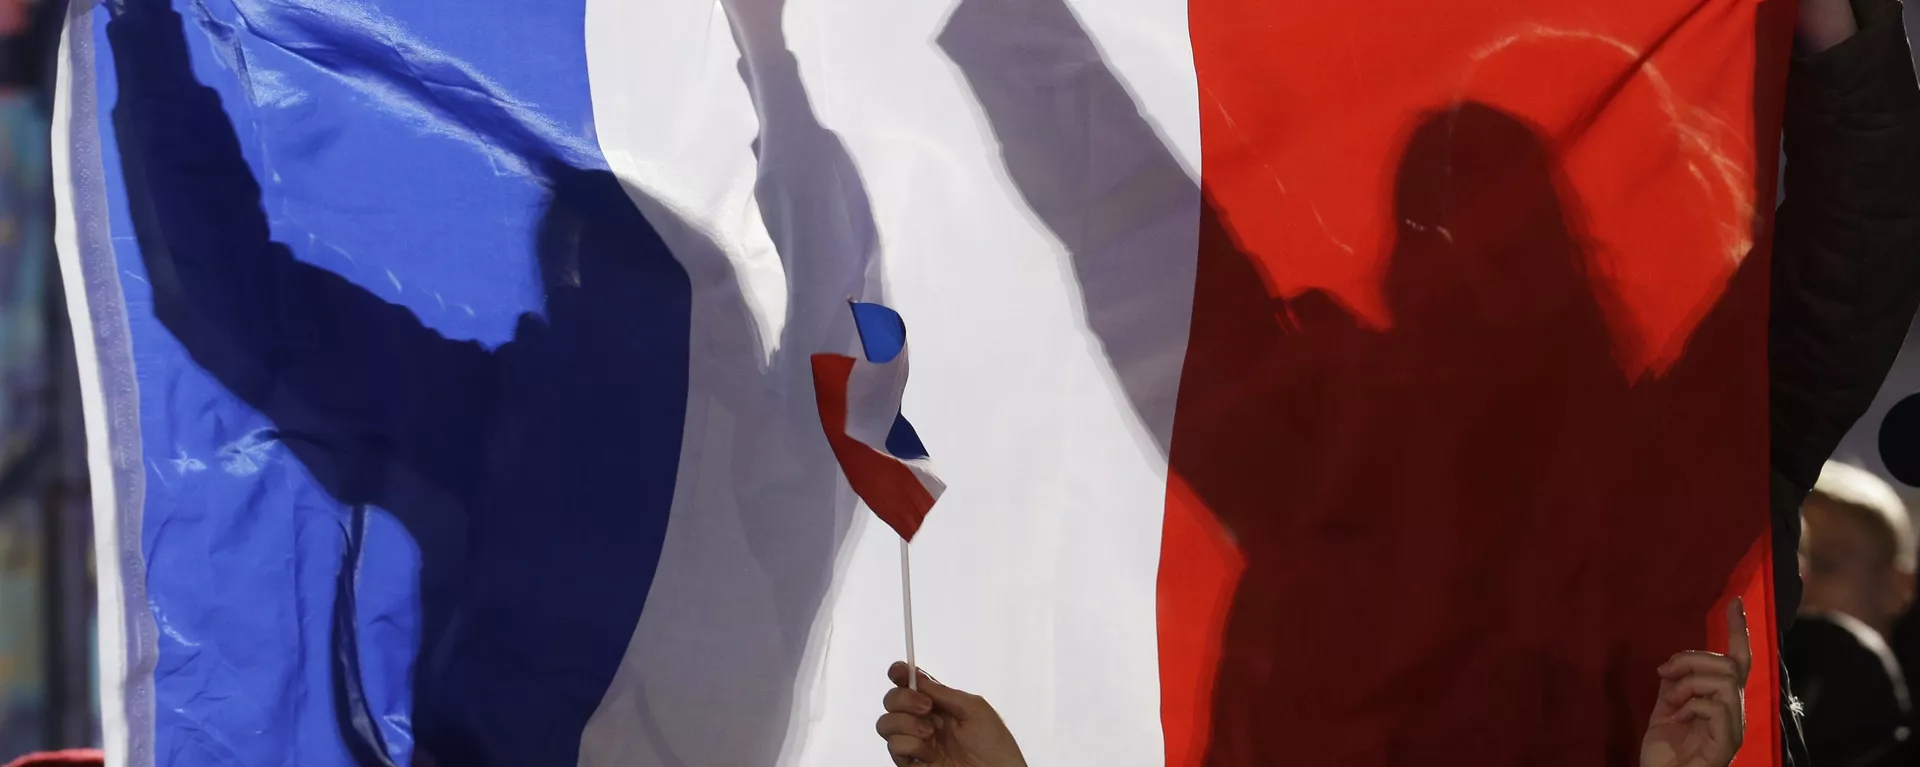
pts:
pixel 1321 383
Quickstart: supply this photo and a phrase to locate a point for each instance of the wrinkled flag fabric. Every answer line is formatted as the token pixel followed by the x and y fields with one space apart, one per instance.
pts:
pixel 878 449
pixel 1349 382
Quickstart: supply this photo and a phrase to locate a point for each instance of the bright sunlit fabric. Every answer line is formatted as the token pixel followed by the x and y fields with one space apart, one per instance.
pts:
pixel 1358 383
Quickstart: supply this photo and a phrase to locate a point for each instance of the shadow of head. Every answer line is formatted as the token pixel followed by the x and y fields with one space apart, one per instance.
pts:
pixel 1488 230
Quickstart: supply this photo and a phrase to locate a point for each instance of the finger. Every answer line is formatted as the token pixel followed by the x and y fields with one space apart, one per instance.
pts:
pixel 1739 644
pixel 1718 719
pixel 1662 710
pixel 1699 662
pixel 959 704
pixel 906 749
pixel 901 700
pixel 897 673
pixel 1716 687
pixel 903 724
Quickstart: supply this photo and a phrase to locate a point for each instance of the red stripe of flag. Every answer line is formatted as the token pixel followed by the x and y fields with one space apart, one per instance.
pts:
pixel 1472 428
pixel 887 485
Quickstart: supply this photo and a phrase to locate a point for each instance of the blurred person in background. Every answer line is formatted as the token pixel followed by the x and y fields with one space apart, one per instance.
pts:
pixel 1857 550
pixel 1857 556
pixel 26 248
pixel 29 48
pixel 39 706
pixel 29 39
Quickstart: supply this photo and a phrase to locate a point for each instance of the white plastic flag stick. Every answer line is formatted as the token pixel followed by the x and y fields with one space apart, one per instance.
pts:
pixel 906 601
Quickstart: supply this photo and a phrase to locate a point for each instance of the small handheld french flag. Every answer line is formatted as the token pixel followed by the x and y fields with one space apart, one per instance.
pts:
pixel 859 402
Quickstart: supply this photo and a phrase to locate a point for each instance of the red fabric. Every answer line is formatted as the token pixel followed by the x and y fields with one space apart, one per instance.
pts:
pixel 71 758
pixel 889 488
pixel 1472 428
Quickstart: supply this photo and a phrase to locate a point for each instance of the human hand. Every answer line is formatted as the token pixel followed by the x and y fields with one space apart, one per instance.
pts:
pixel 943 727
pixel 1700 717
pixel 1824 24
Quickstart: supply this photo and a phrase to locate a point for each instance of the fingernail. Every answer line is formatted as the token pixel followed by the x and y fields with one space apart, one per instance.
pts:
pixel 923 705
pixel 923 730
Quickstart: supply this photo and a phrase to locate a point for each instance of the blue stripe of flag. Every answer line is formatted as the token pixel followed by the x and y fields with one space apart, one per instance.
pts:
pixel 352 215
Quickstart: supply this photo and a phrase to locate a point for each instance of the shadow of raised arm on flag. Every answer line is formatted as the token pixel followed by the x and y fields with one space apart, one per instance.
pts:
pixel 536 478
pixel 811 194
pixel 1102 179
pixel 814 204
pixel 1436 525
pixel 710 677
pixel 303 345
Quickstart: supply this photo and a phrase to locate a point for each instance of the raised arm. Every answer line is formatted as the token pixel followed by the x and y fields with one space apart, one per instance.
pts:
pixel 1846 270
pixel 309 349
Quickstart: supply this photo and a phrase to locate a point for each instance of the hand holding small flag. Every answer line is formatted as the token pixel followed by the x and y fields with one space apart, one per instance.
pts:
pixel 859 401
pixel 878 450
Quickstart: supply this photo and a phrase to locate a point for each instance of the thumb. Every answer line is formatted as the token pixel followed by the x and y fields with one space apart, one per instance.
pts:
pixel 959 704
pixel 1739 645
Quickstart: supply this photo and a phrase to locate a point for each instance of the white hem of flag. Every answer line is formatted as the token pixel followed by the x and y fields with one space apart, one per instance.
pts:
pixel 125 638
